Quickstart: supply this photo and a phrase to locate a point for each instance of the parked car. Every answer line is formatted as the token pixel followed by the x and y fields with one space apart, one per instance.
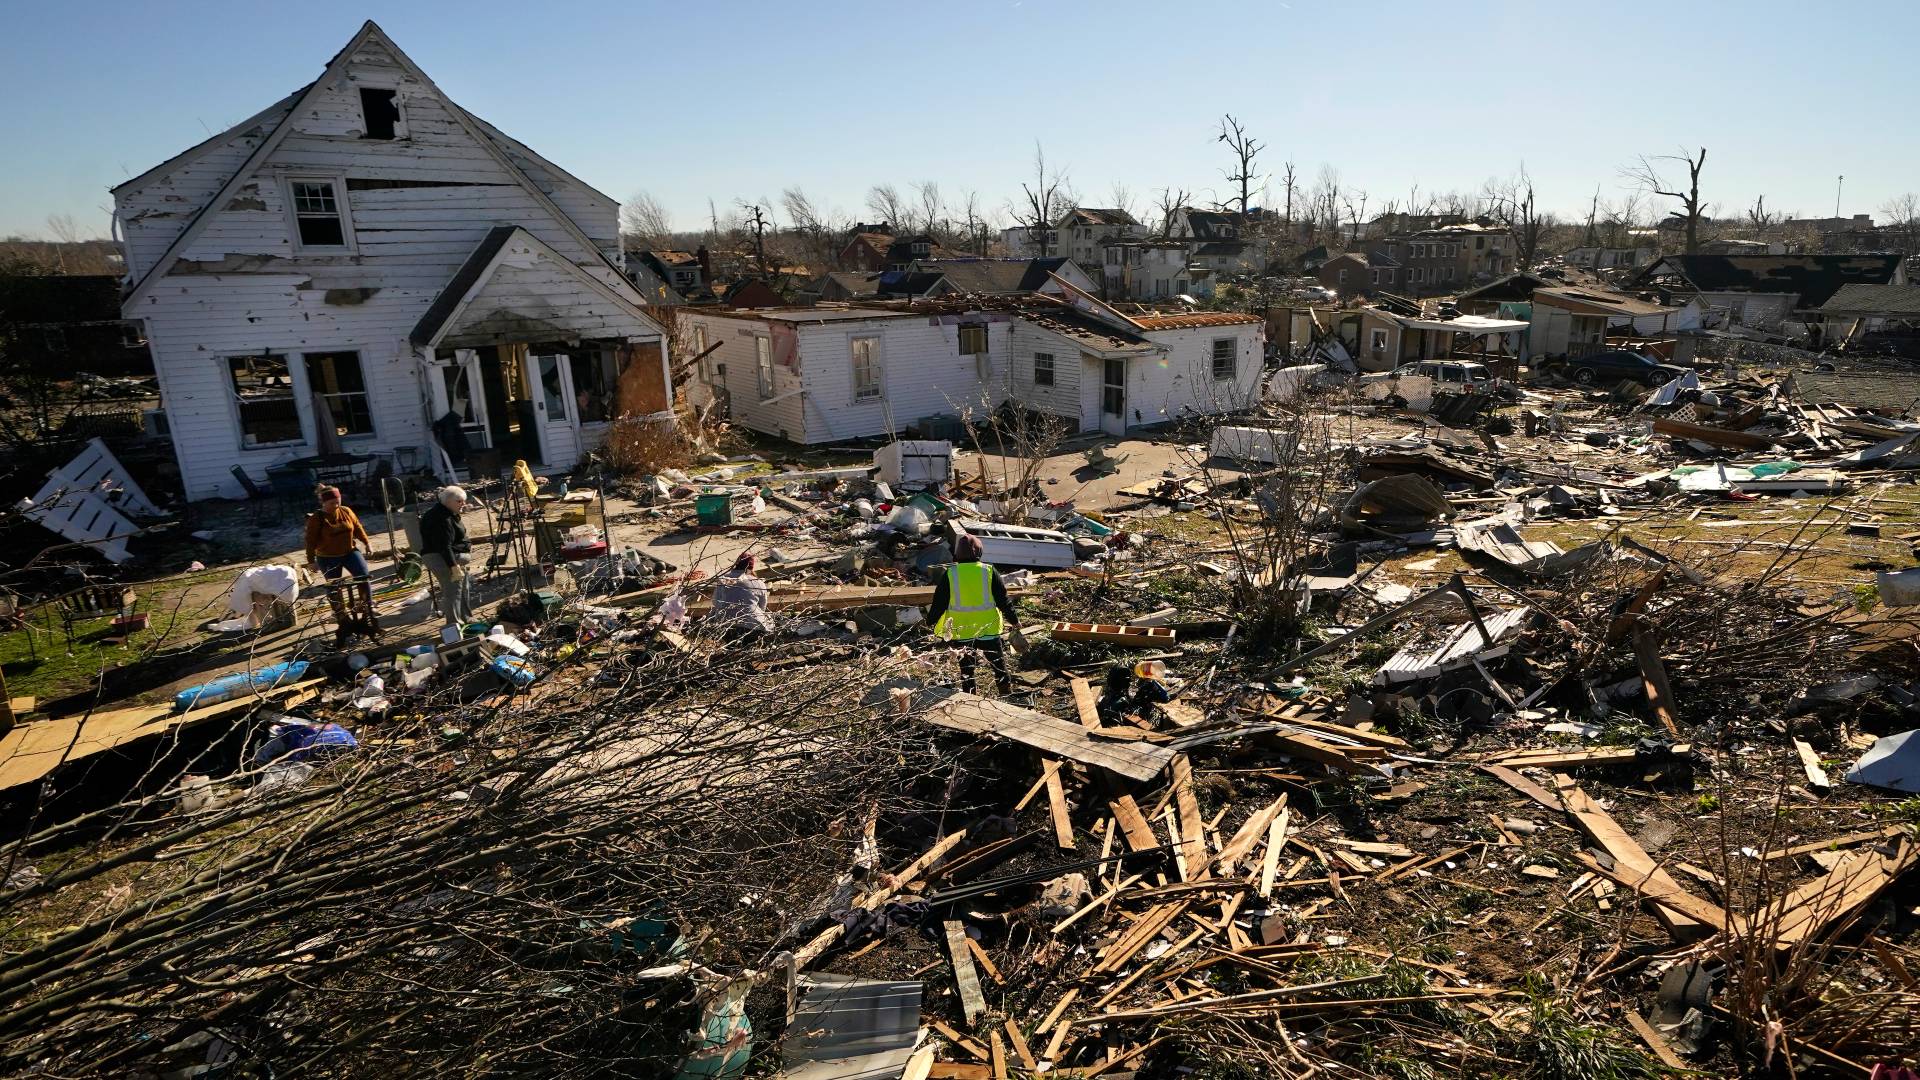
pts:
pixel 1617 365
pixel 1450 374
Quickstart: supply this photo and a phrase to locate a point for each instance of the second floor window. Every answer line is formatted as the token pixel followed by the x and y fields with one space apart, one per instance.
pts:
pixel 973 340
pixel 866 369
pixel 320 222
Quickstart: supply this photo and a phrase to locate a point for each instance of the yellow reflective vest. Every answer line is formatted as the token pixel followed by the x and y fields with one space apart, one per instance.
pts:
pixel 970 613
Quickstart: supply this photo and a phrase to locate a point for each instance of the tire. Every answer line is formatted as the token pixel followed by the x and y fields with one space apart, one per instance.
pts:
pixel 1585 376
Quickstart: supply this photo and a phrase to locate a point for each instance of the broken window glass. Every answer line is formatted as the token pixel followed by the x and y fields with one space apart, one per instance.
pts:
pixel 263 396
pixel 337 378
pixel 380 112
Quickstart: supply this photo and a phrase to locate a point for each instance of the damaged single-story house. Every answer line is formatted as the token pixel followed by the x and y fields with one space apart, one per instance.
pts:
pixel 364 266
pixel 1766 291
pixel 1568 322
pixel 821 375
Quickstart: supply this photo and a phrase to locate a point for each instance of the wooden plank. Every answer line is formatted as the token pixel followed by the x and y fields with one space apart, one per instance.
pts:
pixel 835 598
pixel 1134 939
pixel 1656 1041
pixel 1312 749
pixel 1193 842
pixel 972 1003
pixel 1249 834
pixel 1859 876
pixel 951 1070
pixel 31 751
pixel 1059 1009
pixel 1132 637
pixel 998 1051
pixel 1133 824
pixel 1834 844
pixel 981 716
pixel 1653 677
pixel 811 951
pixel 1713 436
pixel 1810 764
pixel 1057 806
pixel 920 1065
pixel 971 1046
pixel 1524 786
pixel 1681 902
pixel 1094 904
pixel 1085 703
pixel 1020 1047
pixel 1638 870
pixel 980 956
pixel 1547 758
pixel 1270 863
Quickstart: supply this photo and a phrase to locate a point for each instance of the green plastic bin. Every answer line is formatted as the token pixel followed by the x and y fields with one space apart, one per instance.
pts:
pixel 713 509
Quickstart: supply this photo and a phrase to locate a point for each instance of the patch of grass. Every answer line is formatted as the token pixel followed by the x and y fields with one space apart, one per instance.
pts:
pixel 1706 803
pixel 46 667
pixel 1188 525
pixel 1557 1046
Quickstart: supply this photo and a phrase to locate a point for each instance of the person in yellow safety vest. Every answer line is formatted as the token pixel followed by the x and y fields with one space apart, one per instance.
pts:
pixel 971 608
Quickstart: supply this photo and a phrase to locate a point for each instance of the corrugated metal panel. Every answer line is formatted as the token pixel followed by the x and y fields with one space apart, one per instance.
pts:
pixel 1459 648
pixel 851 1029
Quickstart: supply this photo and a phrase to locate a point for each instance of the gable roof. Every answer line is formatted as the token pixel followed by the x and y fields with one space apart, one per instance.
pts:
pixel 1597 301
pixel 449 311
pixel 368 31
pixel 1087 215
pixel 1815 278
pixel 1891 392
pixel 1901 300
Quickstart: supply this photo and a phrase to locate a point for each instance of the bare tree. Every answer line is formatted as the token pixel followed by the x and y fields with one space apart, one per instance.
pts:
pixel 1511 203
pixel 932 209
pixel 818 234
pixel 1354 213
pixel 757 223
pixel 1903 218
pixel 1122 199
pixel 1760 219
pixel 887 205
pixel 1043 201
pixel 1288 179
pixel 976 228
pixel 643 222
pixel 1645 175
pixel 1324 202
pixel 1246 151
pixel 1170 203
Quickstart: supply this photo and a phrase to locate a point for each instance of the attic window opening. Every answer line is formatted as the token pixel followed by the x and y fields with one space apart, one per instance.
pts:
pixel 380 111
pixel 973 340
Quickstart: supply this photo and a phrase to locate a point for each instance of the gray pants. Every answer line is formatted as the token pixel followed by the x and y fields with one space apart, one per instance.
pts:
pixel 450 583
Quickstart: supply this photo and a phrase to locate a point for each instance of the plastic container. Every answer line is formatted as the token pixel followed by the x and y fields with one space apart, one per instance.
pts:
pixel 714 508
pixel 228 687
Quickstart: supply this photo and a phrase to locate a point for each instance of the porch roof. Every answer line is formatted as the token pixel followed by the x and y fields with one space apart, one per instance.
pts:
pixel 515 288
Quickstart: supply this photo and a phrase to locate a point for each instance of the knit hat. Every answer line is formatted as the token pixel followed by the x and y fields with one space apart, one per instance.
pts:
pixel 966 548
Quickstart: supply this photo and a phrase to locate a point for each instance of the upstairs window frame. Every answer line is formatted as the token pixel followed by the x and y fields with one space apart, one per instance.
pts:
pixel 305 203
pixel 396 128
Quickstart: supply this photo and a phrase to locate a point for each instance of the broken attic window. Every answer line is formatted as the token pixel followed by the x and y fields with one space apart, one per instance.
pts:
pixel 973 340
pixel 316 213
pixel 380 111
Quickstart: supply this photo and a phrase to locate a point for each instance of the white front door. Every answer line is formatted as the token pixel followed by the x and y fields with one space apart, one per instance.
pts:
pixel 556 418
pixel 1113 396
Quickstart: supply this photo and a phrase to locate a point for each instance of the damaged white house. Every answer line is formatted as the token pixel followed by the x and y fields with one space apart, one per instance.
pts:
pixel 818 375
pixel 366 268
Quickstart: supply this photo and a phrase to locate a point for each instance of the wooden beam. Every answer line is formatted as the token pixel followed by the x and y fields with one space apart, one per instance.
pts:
pixel 1133 824
pixel 1656 1041
pixel 1653 677
pixel 1057 807
pixel 1687 919
pixel 1085 703
pixel 1810 763
pixel 972 1003
pixel 1859 876
pixel 1193 840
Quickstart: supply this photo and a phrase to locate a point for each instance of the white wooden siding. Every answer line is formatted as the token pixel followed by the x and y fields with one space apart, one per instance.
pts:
pixel 240 288
pixel 1184 385
pixel 735 339
pixel 924 374
pixel 1063 397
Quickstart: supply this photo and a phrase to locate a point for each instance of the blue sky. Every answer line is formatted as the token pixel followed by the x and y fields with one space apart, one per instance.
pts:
pixel 693 101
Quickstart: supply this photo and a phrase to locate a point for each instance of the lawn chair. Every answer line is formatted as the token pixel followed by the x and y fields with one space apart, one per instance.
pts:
pixel 265 504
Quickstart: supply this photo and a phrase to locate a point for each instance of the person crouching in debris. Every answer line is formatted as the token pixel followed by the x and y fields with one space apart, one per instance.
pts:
pixel 971 609
pixel 740 602
pixel 445 551
pixel 334 539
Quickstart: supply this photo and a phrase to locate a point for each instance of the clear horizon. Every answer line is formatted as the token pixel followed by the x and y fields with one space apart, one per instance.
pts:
pixel 690 107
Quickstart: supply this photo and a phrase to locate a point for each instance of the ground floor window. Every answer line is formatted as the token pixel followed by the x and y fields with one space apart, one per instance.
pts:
pixel 263 395
pixel 596 383
pixel 1042 369
pixel 1225 356
pixel 338 379
pixel 763 358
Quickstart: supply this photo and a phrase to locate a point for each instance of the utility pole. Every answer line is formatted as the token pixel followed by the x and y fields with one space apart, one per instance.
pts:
pixel 1841 183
